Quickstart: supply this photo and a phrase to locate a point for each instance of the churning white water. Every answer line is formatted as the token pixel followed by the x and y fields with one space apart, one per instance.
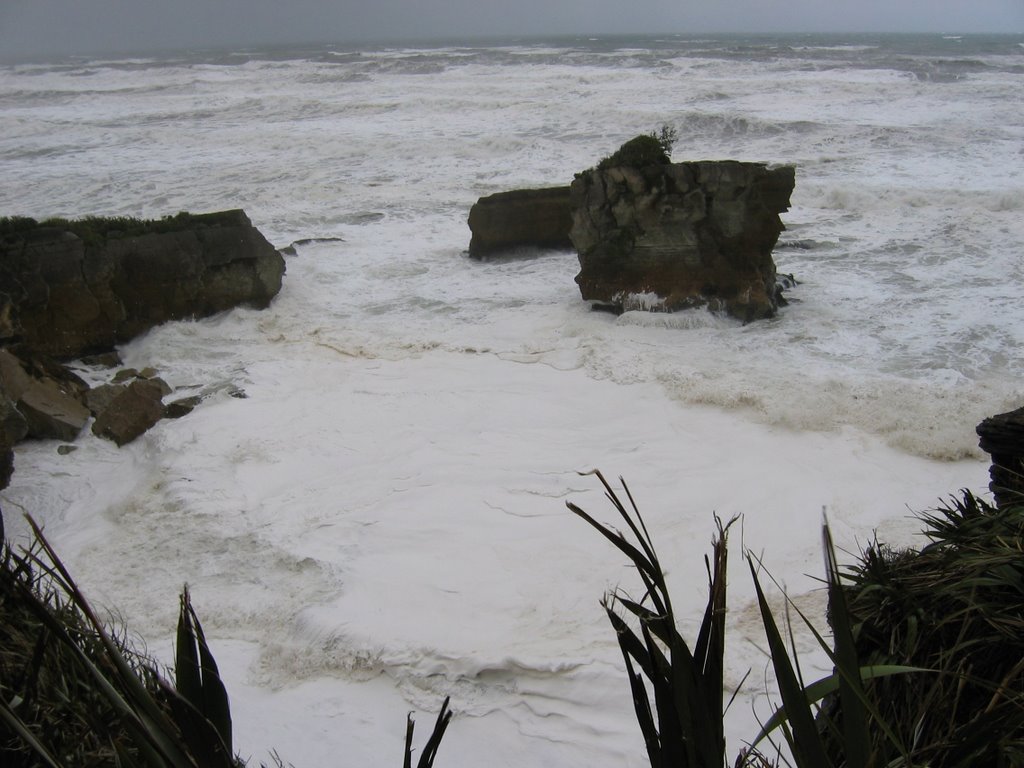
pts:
pixel 381 521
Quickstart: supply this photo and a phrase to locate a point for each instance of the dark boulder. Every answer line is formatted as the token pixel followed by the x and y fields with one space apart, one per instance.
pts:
pixel 100 397
pixel 13 427
pixel 47 395
pixel 72 288
pixel 524 218
pixel 176 409
pixel 1002 436
pixel 133 411
pixel 668 236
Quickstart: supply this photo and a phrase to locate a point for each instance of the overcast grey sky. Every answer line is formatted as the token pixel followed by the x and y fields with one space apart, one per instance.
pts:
pixel 44 27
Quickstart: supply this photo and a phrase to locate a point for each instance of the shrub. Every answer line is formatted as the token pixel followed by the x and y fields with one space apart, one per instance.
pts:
pixel 95 230
pixel 646 149
pixel 684 728
pixel 957 607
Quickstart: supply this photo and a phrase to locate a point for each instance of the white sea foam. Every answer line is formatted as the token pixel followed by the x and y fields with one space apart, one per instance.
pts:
pixel 381 520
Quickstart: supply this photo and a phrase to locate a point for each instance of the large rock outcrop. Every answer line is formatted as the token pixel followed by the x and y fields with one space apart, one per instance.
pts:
pixel 668 236
pixel 524 218
pixel 70 288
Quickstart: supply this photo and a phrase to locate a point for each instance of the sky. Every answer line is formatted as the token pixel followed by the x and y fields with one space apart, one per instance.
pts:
pixel 46 27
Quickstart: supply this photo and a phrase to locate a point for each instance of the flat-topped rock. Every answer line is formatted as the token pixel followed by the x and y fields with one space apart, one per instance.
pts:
pixel 669 236
pixel 507 222
pixel 70 288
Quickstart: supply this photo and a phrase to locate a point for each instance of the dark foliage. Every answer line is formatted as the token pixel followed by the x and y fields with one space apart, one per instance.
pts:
pixel 94 230
pixel 956 607
pixel 641 151
pixel 74 694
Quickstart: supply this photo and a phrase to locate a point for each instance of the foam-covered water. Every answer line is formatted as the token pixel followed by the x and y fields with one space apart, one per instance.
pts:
pixel 381 520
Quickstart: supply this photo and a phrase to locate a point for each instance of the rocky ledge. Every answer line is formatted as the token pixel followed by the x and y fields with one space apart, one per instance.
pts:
pixel 523 218
pixel 70 288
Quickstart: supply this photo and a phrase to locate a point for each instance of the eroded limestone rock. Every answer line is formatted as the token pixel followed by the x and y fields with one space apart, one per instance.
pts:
pixel 668 236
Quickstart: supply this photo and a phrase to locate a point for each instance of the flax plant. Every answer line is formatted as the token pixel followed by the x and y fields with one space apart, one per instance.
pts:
pixel 74 693
pixel 684 728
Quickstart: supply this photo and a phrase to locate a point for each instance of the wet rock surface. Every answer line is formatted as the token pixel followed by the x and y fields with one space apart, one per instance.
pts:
pixel 669 236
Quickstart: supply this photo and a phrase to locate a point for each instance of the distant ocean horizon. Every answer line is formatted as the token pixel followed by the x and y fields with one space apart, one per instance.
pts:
pixel 902 42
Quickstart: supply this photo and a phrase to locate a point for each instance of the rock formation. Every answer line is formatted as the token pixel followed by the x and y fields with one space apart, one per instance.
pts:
pixel 47 396
pixel 1002 436
pixel 132 411
pixel 523 218
pixel 41 399
pixel 668 236
pixel 71 288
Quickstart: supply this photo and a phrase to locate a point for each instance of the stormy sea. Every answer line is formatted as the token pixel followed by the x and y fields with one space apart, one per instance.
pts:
pixel 381 521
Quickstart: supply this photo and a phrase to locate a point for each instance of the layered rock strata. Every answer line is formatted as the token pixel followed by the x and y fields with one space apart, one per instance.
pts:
pixel 668 236
pixel 71 288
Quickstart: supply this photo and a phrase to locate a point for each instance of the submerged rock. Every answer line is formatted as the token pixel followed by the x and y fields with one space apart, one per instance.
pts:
pixel 668 236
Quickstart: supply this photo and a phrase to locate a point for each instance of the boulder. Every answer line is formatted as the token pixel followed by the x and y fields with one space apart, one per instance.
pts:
pixel 68 289
pixel 51 413
pixel 182 407
pixel 12 428
pixel 12 424
pixel 1002 436
pixel 47 395
pixel 100 397
pixel 14 379
pixel 668 236
pixel 131 413
pixel 524 218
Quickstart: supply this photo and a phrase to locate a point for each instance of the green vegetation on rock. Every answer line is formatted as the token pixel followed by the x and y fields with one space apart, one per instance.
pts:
pixel 94 230
pixel 653 148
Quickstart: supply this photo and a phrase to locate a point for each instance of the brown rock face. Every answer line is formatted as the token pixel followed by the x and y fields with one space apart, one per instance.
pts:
pixel 50 413
pixel 69 290
pixel 677 235
pixel 131 412
pixel 522 218
pixel 48 397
